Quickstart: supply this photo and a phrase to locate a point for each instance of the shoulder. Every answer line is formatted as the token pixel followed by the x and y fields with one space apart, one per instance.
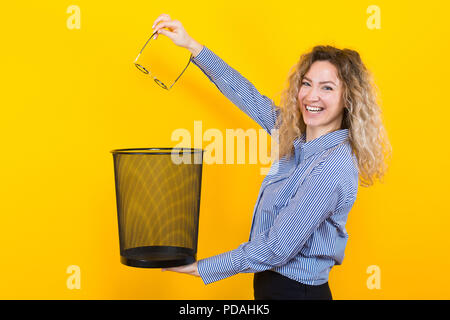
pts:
pixel 340 169
pixel 341 163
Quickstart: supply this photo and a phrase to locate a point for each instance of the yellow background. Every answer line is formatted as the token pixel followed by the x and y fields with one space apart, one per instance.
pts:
pixel 71 96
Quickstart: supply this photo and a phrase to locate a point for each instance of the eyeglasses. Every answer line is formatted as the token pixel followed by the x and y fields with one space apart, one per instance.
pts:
pixel 144 70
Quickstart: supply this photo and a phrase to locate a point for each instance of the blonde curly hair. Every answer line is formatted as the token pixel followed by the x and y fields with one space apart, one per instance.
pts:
pixel 362 114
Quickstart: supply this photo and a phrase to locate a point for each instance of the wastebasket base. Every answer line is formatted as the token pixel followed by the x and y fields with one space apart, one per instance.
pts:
pixel 157 257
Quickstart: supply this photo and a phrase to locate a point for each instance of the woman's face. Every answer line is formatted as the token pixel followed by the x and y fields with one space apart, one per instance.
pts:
pixel 321 88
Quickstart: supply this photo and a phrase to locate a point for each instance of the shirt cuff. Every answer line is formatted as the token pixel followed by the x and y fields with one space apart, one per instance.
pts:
pixel 210 63
pixel 217 267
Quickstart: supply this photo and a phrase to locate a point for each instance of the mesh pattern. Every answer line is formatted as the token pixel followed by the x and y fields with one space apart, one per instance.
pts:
pixel 157 200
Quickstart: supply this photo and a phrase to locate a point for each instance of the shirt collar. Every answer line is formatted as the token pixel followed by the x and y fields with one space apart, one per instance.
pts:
pixel 303 150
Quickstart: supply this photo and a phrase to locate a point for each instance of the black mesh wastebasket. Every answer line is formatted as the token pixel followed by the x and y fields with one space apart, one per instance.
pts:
pixel 158 204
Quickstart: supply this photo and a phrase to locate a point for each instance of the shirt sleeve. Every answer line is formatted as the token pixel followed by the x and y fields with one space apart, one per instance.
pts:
pixel 294 224
pixel 237 89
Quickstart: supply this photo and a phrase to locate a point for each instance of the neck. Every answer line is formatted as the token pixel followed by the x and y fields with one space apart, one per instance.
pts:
pixel 314 133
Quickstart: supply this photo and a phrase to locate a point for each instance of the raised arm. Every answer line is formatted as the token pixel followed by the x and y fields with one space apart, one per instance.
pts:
pixel 237 89
pixel 230 82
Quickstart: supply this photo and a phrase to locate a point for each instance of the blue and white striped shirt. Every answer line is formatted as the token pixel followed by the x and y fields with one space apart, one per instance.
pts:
pixel 298 227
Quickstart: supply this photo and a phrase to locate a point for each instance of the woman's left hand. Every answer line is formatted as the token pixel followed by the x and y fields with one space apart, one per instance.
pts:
pixel 191 269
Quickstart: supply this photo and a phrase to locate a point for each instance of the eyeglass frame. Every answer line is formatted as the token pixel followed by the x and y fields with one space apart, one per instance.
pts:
pixel 144 70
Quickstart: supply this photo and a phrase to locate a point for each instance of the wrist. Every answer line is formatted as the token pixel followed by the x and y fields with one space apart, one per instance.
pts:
pixel 194 47
pixel 196 273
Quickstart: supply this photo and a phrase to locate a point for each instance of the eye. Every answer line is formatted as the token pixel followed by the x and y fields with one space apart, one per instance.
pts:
pixel 328 88
pixel 305 83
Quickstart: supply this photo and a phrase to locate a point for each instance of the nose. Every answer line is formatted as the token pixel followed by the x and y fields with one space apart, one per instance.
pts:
pixel 312 95
pixel 311 98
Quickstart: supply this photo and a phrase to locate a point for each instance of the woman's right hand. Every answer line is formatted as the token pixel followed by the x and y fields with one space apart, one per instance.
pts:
pixel 176 33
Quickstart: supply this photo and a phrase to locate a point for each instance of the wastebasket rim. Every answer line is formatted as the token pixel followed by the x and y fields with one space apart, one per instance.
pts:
pixel 158 150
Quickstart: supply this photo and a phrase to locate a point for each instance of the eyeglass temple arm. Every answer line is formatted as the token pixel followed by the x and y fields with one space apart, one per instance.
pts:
pixel 190 58
pixel 145 46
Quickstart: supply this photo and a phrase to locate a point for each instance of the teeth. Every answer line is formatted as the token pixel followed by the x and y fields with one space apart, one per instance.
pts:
pixel 314 108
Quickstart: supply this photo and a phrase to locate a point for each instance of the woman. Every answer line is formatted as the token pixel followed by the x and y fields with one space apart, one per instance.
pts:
pixel 330 133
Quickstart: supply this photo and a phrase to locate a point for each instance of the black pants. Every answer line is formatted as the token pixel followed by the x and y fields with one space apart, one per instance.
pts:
pixel 269 285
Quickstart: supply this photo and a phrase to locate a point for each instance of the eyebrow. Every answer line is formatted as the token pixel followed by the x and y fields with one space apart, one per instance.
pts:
pixel 320 82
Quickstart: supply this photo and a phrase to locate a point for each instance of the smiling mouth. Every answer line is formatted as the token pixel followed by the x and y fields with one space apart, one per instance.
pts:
pixel 313 109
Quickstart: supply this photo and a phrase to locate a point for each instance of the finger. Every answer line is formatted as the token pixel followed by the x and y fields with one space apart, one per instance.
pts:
pixel 162 17
pixel 174 269
pixel 167 24
pixel 181 269
pixel 167 33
